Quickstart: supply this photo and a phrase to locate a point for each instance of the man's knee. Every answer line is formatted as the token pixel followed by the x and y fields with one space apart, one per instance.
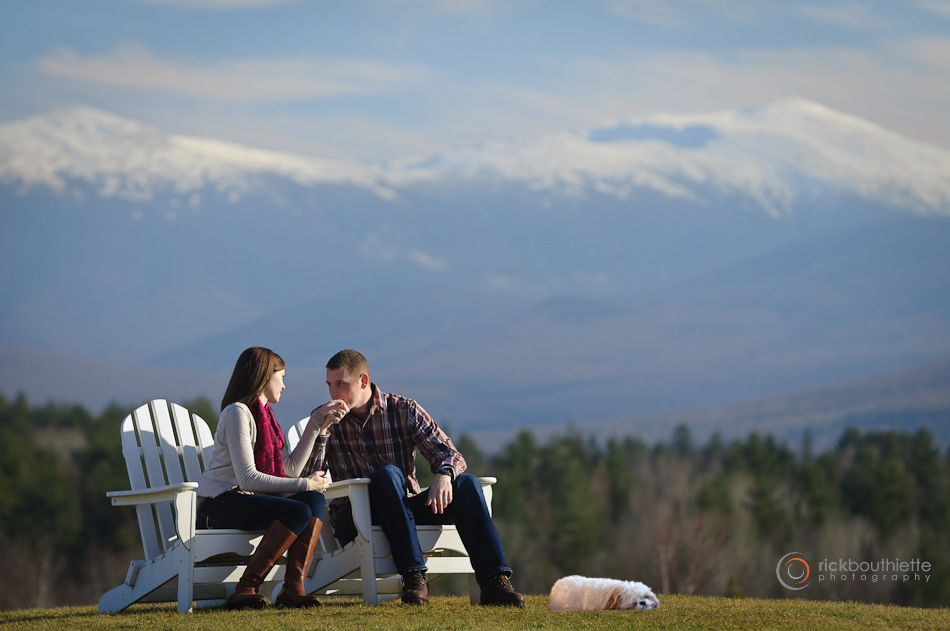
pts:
pixel 468 486
pixel 388 477
pixel 469 482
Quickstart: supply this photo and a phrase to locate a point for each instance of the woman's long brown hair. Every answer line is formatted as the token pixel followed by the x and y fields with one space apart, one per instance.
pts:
pixel 251 373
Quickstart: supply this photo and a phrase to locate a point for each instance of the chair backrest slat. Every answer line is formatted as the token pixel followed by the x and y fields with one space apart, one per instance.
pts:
pixel 163 448
pixel 132 450
pixel 152 452
pixel 295 431
pixel 148 440
pixel 205 440
pixel 190 449
pixel 168 443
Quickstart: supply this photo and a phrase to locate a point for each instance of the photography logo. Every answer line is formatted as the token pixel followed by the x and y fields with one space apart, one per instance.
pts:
pixel 793 570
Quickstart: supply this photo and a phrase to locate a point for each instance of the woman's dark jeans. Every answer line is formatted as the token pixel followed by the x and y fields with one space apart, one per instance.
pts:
pixel 256 512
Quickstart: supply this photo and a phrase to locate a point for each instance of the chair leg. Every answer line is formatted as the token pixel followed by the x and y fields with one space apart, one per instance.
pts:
pixel 277 538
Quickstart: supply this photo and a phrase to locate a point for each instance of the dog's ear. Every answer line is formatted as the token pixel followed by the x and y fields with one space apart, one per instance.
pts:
pixel 613 600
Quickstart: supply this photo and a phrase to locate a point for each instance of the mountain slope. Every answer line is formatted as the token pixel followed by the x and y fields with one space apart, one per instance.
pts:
pixel 129 160
pixel 659 265
pixel 772 157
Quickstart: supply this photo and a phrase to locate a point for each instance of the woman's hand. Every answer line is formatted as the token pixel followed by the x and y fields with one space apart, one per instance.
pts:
pixel 329 413
pixel 319 481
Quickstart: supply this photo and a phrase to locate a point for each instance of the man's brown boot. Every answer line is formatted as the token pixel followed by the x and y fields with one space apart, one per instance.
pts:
pixel 415 588
pixel 277 538
pixel 298 560
pixel 498 591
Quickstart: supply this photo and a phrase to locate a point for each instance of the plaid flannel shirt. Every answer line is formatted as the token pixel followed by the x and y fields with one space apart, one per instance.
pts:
pixel 395 428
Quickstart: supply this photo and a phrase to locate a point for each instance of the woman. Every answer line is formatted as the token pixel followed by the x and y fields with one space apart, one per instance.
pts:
pixel 250 482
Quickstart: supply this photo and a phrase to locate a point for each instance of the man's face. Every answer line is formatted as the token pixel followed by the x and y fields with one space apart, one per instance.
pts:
pixel 354 390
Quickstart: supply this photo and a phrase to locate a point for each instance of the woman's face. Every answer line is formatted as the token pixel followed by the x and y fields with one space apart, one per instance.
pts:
pixel 271 392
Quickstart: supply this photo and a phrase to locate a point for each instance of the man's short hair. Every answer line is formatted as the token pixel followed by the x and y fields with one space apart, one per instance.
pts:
pixel 353 361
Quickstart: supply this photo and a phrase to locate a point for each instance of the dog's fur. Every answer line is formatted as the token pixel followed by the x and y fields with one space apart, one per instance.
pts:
pixel 578 593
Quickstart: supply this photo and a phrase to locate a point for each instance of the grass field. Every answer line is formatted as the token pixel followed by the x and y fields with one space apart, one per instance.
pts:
pixel 676 612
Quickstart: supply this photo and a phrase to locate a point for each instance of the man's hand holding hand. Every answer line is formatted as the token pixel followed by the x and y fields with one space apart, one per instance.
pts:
pixel 330 413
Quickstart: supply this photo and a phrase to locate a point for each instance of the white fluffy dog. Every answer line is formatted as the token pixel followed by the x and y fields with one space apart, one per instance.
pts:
pixel 578 593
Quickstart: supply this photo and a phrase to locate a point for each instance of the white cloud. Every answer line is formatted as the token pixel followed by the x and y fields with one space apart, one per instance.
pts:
pixel 930 52
pixel 253 80
pixel 676 14
pixel 852 15
pixel 448 6
pixel 385 244
pixel 427 261
pixel 655 12
pixel 898 84
pixel 536 287
pixel 436 6
pixel 940 7
pixel 219 4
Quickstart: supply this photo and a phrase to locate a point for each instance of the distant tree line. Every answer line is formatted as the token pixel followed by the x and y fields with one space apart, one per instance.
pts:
pixel 716 519
pixel 61 540
pixel 683 518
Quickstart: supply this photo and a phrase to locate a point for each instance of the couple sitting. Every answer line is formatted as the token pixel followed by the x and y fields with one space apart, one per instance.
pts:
pixel 253 482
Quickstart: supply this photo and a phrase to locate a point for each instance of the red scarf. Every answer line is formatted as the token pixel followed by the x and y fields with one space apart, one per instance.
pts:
pixel 269 448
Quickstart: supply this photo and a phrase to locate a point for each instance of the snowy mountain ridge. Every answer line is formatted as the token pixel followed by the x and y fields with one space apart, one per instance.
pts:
pixel 126 159
pixel 771 156
pixel 775 154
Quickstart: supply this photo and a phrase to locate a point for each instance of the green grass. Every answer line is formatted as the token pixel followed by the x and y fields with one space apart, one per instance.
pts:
pixel 676 612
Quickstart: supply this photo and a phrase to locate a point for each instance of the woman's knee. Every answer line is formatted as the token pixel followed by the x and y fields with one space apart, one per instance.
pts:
pixel 296 515
pixel 315 500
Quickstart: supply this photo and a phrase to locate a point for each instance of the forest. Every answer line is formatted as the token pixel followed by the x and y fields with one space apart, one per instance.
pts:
pixel 713 519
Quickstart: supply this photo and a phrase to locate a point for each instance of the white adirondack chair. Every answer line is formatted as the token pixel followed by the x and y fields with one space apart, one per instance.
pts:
pixel 165 449
pixel 365 566
pixel 165 455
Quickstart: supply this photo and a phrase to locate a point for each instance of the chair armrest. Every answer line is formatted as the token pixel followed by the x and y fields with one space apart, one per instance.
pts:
pixel 343 488
pixel 357 491
pixel 151 496
pixel 487 491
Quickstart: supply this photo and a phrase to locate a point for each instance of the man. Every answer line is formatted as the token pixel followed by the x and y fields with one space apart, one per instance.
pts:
pixel 378 439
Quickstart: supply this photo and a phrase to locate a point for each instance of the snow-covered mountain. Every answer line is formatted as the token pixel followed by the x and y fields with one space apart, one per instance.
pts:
pixel 774 156
pixel 786 152
pixel 639 267
pixel 129 160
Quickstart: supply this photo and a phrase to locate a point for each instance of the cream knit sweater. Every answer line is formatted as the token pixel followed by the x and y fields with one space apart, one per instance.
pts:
pixel 232 458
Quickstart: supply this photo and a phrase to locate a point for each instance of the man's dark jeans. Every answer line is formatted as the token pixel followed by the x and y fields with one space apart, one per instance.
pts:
pixel 398 515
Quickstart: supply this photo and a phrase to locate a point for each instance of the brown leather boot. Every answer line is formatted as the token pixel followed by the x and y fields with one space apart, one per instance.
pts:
pixel 415 588
pixel 498 591
pixel 298 560
pixel 277 538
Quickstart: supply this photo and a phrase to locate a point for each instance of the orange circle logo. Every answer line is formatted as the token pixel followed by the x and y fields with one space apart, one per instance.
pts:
pixel 793 571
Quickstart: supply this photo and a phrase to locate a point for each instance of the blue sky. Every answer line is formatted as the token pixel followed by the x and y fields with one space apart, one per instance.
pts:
pixel 386 79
